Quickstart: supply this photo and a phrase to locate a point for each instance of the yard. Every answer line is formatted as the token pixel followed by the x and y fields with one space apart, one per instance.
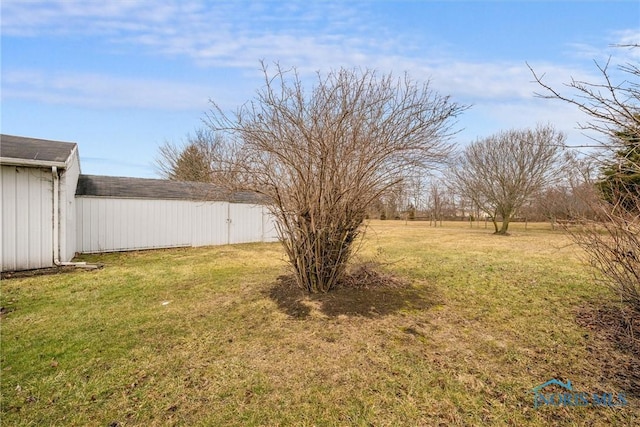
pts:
pixel 213 336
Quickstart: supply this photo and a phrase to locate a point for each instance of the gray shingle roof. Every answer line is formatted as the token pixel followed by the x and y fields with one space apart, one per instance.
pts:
pixel 143 188
pixel 35 150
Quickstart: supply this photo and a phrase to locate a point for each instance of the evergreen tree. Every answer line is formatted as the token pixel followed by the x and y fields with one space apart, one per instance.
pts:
pixel 192 165
pixel 620 184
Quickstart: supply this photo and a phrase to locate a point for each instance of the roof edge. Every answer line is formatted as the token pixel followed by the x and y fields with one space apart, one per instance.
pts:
pixel 62 160
pixel 170 199
pixel 75 153
pixel 10 161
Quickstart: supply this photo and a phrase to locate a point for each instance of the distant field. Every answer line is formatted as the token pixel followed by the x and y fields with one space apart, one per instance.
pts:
pixel 208 336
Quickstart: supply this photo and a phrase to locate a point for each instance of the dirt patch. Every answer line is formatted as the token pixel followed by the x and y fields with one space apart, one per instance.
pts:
pixel 365 292
pixel 6 310
pixel 616 347
pixel 46 271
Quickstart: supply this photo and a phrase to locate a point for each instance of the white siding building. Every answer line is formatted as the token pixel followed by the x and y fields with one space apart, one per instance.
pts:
pixel 121 214
pixel 50 211
pixel 38 184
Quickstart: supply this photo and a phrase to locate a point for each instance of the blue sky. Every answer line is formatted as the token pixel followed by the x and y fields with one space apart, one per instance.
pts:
pixel 120 77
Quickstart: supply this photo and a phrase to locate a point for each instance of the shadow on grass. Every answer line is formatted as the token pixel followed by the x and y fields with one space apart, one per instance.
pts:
pixel 615 328
pixel 365 301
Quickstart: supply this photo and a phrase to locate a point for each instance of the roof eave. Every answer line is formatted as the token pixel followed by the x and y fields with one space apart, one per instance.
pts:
pixel 74 153
pixel 10 161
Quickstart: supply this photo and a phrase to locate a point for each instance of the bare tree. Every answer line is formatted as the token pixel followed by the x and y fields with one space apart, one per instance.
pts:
pixel 435 202
pixel 570 196
pixel 463 207
pixel 501 172
pixel 394 200
pixel 322 157
pixel 611 241
pixel 415 188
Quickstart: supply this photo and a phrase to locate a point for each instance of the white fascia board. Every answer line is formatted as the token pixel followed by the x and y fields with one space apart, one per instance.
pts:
pixel 33 163
pixel 72 156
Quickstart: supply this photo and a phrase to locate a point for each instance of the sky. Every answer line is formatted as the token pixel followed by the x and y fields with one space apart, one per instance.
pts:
pixel 122 77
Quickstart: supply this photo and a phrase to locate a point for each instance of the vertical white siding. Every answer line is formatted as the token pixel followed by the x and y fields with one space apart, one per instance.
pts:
pixel 269 231
pixel 209 225
pixel 27 218
pixel 110 224
pixel 245 223
pixel 67 215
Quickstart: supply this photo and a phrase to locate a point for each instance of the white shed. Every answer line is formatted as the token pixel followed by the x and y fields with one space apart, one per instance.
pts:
pixel 38 184
pixel 120 214
pixel 50 211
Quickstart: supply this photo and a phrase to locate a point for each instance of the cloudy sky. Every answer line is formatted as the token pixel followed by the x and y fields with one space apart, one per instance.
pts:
pixel 120 77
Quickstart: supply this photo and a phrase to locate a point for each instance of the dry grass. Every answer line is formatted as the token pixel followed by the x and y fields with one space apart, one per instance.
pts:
pixel 211 336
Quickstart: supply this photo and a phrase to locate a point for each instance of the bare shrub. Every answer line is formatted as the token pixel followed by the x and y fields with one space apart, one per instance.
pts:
pixel 612 244
pixel 321 158
pixel 611 241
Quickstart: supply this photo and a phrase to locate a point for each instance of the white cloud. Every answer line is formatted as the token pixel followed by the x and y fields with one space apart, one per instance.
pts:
pixel 229 34
pixel 102 91
pixel 318 36
pixel 478 83
pixel 628 37
pixel 564 117
pixel 628 45
pixel 617 47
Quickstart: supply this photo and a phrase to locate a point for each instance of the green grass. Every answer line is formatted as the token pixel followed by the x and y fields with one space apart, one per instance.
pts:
pixel 204 337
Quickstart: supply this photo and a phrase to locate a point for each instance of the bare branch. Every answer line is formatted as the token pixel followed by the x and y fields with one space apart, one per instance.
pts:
pixel 610 237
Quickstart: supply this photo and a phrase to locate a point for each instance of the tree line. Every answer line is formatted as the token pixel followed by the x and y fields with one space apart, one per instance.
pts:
pixel 520 174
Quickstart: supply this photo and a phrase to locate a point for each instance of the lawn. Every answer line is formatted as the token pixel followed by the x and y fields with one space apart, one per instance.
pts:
pixel 213 336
